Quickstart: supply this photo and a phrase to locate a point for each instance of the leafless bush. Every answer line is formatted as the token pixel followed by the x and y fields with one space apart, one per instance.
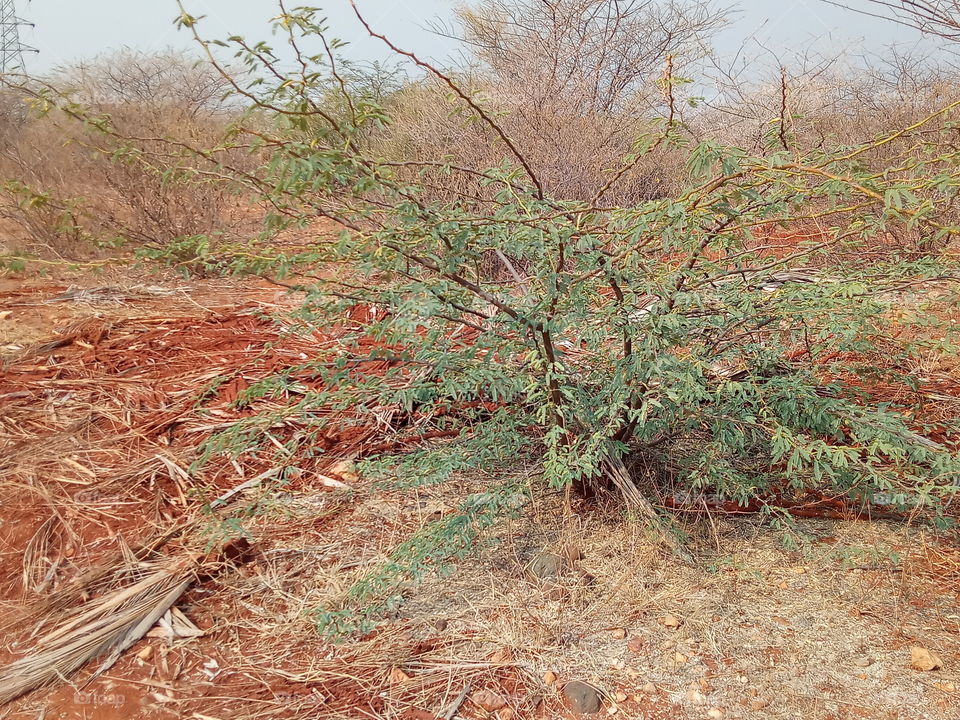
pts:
pixel 811 104
pixel 935 17
pixel 69 185
pixel 573 82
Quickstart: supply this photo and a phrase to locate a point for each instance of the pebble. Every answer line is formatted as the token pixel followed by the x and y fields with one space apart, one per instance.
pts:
pixel 582 698
pixel 618 633
pixel 547 565
pixel 715 713
pixel 549 677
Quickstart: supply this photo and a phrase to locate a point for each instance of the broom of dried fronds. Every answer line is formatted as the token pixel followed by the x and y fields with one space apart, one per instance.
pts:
pixel 101 627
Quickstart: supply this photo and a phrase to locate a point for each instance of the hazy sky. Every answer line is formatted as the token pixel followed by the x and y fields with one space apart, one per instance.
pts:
pixel 67 30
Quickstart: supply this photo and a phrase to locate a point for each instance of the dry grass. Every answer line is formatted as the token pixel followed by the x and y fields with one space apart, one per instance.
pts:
pixel 91 466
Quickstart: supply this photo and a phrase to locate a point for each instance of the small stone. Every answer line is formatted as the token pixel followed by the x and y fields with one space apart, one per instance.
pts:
pixel 549 677
pixel 635 644
pixel 441 624
pixel 547 565
pixel 572 553
pixel 679 658
pixel 670 621
pixel 715 713
pixel 618 633
pixel 488 700
pixel 346 470
pixel 503 655
pixel 695 697
pixel 759 704
pixel 582 698
pixel 863 662
pixel 649 688
pixel 947 687
pixel 621 696
pixel 923 660
pixel 146 653
pixel 506 714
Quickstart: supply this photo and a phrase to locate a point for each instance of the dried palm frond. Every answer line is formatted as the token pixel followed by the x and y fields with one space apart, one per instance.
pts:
pixel 38 565
pixel 101 627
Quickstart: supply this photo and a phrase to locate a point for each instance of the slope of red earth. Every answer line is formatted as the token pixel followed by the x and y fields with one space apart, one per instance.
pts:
pixel 106 392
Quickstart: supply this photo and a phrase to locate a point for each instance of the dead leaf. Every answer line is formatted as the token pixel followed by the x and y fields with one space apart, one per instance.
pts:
pixel 488 700
pixel 636 644
pixel 923 660
pixel 398 676
pixel 211 668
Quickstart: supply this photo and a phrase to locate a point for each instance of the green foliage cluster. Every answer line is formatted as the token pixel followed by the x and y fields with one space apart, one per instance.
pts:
pixel 667 328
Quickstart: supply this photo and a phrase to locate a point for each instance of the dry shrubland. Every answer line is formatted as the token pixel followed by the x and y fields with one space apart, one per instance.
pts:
pixel 575 83
pixel 560 276
pixel 70 187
